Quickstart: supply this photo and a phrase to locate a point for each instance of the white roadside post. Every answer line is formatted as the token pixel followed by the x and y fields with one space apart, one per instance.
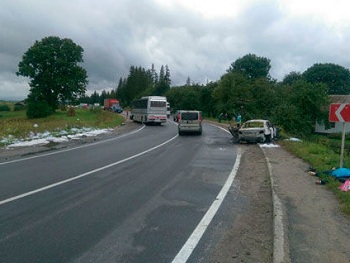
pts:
pixel 342 147
pixel 339 112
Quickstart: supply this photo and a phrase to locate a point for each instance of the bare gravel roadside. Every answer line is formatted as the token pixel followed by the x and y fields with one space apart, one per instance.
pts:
pixel 315 230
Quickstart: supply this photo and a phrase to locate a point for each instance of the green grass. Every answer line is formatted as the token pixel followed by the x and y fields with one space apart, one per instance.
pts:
pixel 16 124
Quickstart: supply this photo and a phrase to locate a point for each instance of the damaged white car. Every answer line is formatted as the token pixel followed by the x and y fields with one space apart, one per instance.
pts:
pixel 258 131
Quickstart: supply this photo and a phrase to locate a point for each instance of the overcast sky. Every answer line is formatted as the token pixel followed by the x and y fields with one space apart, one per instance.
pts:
pixel 195 38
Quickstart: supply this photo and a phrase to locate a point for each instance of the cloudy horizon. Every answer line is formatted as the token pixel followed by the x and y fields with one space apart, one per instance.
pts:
pixel 196 39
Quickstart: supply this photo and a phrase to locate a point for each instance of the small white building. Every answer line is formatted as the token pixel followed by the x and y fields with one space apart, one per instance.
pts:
pixel 336 127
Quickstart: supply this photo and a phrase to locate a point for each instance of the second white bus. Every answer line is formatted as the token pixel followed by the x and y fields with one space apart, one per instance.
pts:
pixel 151 109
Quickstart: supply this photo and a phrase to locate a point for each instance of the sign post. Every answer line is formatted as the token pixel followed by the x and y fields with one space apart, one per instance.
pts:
pixel 340 113
pixel 342 147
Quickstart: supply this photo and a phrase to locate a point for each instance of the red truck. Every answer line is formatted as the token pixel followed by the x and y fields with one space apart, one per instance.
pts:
pixel 112 104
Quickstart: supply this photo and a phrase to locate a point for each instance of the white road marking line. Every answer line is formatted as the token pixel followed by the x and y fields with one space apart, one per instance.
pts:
pixel 220 128
pixel 197 234
pixel 82 175
pixel 279 244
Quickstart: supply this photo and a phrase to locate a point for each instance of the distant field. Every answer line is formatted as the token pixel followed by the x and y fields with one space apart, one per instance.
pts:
pixel 16 124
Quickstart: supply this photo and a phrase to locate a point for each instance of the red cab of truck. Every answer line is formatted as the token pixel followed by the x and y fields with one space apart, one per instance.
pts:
pixel 108 103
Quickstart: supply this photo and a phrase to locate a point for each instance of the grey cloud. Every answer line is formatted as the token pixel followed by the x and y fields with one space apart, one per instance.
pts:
pixel 118 34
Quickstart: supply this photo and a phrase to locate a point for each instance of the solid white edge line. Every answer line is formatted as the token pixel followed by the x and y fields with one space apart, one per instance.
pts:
pixel 191 243
pixel 220 128
pixel 71 149
pixel 279 251
pixel 82 175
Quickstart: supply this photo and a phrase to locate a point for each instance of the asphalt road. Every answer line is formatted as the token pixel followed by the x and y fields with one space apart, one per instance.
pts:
pixel 133 198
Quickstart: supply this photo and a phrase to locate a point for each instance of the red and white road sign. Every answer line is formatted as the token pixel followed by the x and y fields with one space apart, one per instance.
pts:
pixel 339 112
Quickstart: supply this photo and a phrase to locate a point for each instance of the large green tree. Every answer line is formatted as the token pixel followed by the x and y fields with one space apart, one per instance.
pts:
pixel 237 93
pixel 53 67
pixel 336 77
pixel 252 66
pixel 164 81
pixel 141 82
pixel 184 97
pixel 231 93
pixel 300 105
pixel 292 77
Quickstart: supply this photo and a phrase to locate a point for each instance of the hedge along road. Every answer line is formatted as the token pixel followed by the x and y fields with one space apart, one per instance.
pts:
pixel 141 209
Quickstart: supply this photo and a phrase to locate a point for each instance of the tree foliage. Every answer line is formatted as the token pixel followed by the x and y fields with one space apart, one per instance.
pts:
pixel 231 93
pixel 52 65
pixel 300 105
pixel 38 109
pixel 141 82
pixel 294 104
pixel 252 66
pixel 336 77
pixel 292 77
pixel 237 93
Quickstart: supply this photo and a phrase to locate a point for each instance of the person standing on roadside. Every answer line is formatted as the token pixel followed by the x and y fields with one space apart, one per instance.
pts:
pixel 239 120
pixel 220 116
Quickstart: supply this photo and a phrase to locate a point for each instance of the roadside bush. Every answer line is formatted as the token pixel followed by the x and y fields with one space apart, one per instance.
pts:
pixel 62 107
pixel 38 109
pixel 71 112
pixel 4 107
pixel 18 107
pixel 323 140
pixel 96 109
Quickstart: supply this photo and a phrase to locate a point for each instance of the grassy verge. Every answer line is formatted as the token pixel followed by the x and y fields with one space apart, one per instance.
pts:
pixel 16 124
pixel 322 158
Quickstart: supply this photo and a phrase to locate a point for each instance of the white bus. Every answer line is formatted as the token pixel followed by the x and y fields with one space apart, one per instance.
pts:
pixel 151 109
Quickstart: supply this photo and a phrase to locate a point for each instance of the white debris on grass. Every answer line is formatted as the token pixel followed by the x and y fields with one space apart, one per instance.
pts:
pixel 47 137
pixel 293 139
pixel 268 145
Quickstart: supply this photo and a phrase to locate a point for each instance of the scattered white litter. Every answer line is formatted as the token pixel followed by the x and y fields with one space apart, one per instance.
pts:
pixel 293 139
pixel 269 145
pixel 47 137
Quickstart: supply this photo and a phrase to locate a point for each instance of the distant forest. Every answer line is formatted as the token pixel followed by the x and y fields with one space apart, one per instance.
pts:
pixel 295 103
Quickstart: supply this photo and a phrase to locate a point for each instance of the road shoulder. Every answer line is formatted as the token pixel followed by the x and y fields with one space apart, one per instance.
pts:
pixel 315 230
pixel 251 237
